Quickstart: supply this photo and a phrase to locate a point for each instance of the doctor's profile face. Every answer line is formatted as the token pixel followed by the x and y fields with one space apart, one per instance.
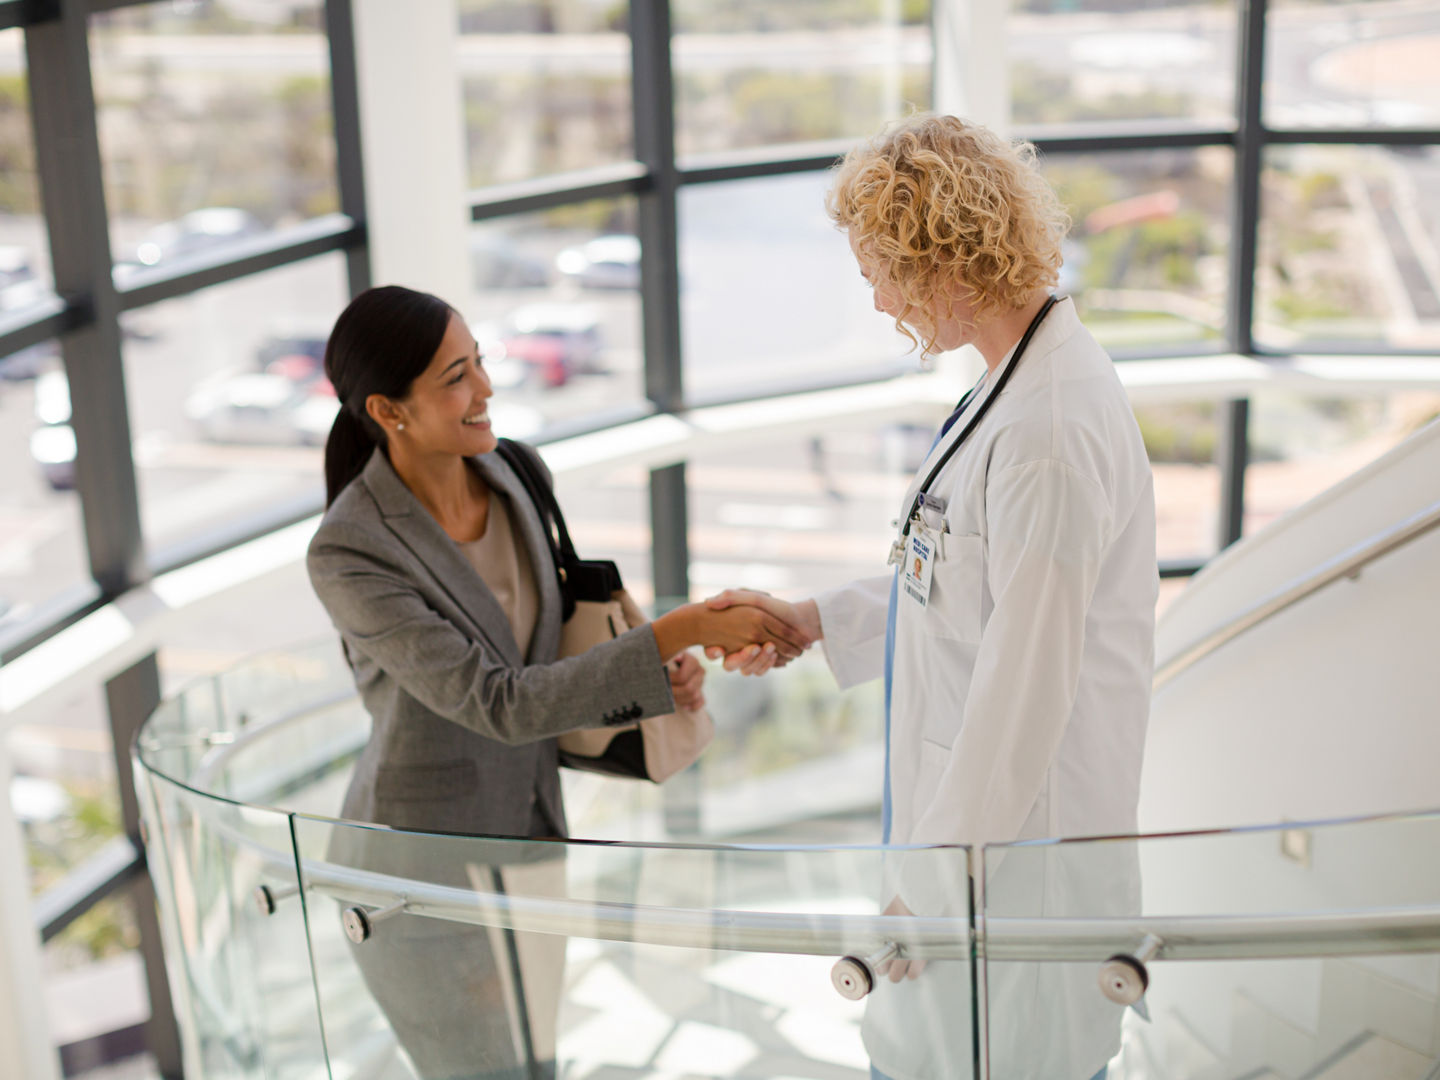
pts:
pixel 446 409
pixel 946 322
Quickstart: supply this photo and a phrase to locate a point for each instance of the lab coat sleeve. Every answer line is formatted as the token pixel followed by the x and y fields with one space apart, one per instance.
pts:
pixel 852 620
pixel 1048 527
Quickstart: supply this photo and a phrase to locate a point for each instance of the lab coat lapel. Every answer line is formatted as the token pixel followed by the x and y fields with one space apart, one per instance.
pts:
pixel 1057 327
pixel 414 527
pixel 525 518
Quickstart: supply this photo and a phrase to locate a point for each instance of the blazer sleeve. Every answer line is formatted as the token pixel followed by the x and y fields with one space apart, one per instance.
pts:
pixel 383 616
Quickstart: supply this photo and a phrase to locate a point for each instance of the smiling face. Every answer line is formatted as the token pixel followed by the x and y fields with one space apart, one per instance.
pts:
pixel 445 411
pixel 945 322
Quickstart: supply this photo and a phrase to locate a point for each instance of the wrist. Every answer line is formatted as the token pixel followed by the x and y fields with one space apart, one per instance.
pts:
pixel 677 630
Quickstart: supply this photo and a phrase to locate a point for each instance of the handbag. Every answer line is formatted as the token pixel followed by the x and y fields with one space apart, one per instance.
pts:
pixel 597 608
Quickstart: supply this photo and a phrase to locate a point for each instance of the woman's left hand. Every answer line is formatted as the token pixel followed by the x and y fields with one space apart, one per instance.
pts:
pixel 687 676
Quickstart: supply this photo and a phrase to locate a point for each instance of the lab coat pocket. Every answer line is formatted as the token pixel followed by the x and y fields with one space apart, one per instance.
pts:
pixel 955 590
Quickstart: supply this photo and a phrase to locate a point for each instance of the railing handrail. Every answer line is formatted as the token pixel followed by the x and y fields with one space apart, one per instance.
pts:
pixel 1374 931
pixel 1348 563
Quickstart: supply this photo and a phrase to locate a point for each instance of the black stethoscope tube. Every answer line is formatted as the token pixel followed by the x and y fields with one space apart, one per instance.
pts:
pixel 1050 301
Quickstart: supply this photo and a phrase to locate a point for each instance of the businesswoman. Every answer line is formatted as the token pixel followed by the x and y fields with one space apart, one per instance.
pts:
pixel 432 564
pixel 1015 636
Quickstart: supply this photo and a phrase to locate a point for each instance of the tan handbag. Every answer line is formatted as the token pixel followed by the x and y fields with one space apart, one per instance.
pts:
pixel 655 748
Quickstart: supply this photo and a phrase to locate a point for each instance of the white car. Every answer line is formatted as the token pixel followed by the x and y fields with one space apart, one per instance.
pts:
pixel 263 408
pixel 607 262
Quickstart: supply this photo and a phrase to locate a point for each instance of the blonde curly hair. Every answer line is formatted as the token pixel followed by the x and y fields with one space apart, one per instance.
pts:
pixel 938 203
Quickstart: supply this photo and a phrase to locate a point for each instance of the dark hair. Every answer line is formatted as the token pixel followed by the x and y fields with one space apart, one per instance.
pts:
pixel 381 344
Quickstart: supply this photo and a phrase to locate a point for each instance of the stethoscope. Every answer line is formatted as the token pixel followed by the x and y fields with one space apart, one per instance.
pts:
pixel 923 500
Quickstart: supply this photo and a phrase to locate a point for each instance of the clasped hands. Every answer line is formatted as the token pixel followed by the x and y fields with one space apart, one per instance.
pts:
pixel 801 624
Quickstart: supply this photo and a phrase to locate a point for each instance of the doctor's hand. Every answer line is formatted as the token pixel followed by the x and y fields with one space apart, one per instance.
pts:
pixel 729 629
pixel 754 660
pixel 687 676
pixel 901 968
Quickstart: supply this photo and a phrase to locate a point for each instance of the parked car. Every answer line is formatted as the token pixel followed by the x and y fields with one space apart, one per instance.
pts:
pixel 296 353
pixel 52 443
pixel 196 232
pixel 264 408
pixel 607 262
pixel 555 341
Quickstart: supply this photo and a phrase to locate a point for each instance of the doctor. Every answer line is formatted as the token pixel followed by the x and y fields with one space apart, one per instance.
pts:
pixel 1015 634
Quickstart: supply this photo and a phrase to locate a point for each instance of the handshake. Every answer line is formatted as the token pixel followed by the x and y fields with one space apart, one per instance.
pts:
pixel 752 631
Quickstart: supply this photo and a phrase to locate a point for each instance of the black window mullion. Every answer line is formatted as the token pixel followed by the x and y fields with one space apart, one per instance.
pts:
pixel 345 111
pixel 72 193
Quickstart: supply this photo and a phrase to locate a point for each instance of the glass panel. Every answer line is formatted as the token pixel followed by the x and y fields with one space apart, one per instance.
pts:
pixel 234 931
pixel 556 309
pixel 1317 1009
pixel 1349 248
pixel 770 294
pixel 546 85
pixel 42 547
pixel 25 276
pixel 1181 440
pixel 760 74
pixel 591 960
pixel 1300 445
pixel 215 125
pixel 229 407
pixel 1093 61
pixel 1356 63
pixel 1146 257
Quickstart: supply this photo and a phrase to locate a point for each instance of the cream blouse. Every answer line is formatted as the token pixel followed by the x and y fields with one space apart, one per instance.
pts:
pixel 501 560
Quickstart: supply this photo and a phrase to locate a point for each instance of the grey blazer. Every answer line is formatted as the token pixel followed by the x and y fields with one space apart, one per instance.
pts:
pixel 464 726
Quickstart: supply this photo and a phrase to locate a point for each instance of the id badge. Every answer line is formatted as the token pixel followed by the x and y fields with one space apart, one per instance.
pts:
pixel 918 567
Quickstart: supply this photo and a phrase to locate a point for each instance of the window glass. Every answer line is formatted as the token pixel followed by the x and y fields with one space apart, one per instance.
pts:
pixel 1349 247
pixel 556 309
pixel 25 276
pixel 1180 439
pixel 229 408
pixel 546 87
pixel 1094 61
pixel 1146 259
pixel 1301 444
pixel 770 294
pixel 754 73
pixel 1356 63
pixel 215 125
pixel 42 547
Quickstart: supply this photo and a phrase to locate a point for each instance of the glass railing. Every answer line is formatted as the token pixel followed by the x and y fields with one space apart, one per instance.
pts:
pixel 301 945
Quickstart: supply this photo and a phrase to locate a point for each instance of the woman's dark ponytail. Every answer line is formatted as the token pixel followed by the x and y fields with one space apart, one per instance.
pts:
pixel 347 450
pixel 380 344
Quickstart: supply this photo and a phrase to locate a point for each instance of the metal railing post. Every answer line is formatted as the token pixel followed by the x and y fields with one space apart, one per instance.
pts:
pixel 131 696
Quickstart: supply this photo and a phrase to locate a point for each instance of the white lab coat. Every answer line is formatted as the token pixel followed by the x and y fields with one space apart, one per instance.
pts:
pixel 1019 705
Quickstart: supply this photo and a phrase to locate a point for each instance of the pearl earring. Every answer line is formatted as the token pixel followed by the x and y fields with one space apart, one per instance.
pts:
pixel 399 427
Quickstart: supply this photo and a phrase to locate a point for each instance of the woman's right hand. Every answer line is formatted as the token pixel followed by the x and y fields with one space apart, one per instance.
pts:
pixel 734 628
pixel 731 630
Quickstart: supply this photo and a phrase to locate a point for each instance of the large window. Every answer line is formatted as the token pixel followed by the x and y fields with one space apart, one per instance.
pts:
pixel 755 73
pixel 770 294
pixel 1097 62
pixel 546 87
pixel 1350 248
pixel 215 125
pixel 229 406
pixel 1358 64
pixel 1146 259
pixel 556 309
